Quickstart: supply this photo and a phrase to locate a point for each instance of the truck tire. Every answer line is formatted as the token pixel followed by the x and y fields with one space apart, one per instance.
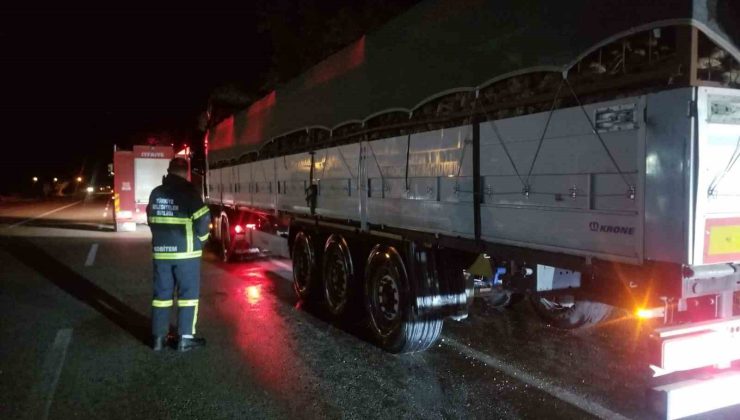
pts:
pixel 338 275
pixel 583 313
pixel 394 324
pixel 227 248
pixel 304 265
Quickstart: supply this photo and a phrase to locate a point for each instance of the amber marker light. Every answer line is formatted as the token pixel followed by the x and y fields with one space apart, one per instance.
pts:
pixel 650 313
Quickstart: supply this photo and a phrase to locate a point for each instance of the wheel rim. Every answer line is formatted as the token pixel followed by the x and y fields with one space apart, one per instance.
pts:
pixel 336 280
pixel 302 263
pixel 385 300
pixel 225 244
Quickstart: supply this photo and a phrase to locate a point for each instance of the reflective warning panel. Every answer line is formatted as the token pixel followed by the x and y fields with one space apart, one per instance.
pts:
pixel 722 240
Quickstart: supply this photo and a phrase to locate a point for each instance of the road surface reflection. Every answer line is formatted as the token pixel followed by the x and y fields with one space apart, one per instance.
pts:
pixel 260 331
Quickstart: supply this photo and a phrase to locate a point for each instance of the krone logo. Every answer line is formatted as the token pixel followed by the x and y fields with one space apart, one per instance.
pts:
pixel 624 230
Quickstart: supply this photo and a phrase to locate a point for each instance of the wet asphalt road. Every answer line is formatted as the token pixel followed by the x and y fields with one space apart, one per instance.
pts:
pixel 75 302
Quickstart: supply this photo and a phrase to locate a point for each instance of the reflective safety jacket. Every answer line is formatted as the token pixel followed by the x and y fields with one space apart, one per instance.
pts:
pixel 178 220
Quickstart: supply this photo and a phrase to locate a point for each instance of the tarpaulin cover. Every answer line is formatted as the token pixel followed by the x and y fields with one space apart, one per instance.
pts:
pixel 440 45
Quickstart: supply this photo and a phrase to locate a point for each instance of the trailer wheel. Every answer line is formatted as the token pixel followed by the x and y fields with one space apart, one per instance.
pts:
pixel 582 313
pixel 338 274
pixel 227 248
pixel 395 326
pixel 304 265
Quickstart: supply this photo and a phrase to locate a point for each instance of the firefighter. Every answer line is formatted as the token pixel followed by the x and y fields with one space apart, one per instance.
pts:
pixel 179 222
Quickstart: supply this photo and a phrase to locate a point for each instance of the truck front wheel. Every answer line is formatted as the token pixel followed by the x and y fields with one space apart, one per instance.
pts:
pixel 395 325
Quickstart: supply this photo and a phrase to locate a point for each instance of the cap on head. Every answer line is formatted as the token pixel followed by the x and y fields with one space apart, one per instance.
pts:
pixel 178 166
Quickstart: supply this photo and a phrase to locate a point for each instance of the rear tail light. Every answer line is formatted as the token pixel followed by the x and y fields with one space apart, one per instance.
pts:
pixel 124 214
pixel 251 226
pixel 238 229
pixel 649 313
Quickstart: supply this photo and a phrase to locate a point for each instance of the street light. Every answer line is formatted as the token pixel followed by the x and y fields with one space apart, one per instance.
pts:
pixel 56 179
pixel 79 179
pixel 35 179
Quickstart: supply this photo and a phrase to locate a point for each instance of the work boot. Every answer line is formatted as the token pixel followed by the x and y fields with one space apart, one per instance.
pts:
pixel 187 344
pixel 159 342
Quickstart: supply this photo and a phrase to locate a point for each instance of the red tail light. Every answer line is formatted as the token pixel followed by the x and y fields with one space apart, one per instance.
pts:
pixel 239 228
pixel 251 226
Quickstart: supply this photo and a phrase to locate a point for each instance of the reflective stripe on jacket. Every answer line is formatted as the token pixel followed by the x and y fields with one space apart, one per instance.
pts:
pixel 178 220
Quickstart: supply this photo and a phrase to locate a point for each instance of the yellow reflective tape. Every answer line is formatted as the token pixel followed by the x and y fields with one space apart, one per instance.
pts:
pixel 177 255
pixel 195 317
pixel 724 240
pixel 204 237
pixel 166 220
pixel 190 303
pixel 162 303
pixel 189 236
pixel 203 211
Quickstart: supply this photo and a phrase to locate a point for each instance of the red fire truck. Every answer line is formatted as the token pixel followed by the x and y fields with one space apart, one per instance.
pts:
pixel 136 173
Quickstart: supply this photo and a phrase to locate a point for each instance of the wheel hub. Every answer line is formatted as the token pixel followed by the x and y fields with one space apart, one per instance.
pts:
pixel 337 282
pixel 388 297
pixel 301 267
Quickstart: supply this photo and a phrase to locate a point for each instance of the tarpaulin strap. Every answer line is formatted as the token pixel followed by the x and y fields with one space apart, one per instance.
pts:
pixel 324 165
pixel 204 237
pixel 506 151
pixel 711 191
pixel 380 171
pixel 344 161
pixel 544 131
pixel 596 132
pixel 460 162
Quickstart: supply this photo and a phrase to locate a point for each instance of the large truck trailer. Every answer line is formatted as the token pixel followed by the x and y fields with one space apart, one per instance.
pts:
pixel 578 154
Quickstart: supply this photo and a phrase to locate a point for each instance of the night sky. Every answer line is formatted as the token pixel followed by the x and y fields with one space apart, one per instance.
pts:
pixel 76 81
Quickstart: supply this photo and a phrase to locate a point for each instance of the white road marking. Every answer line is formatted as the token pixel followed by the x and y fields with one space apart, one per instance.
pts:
pixel 562 394
pixel 43 393
pixel 91 255
pixel 44 214
pixel 283 265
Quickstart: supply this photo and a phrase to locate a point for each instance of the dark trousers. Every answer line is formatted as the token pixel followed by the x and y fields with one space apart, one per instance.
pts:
pixel 185 276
